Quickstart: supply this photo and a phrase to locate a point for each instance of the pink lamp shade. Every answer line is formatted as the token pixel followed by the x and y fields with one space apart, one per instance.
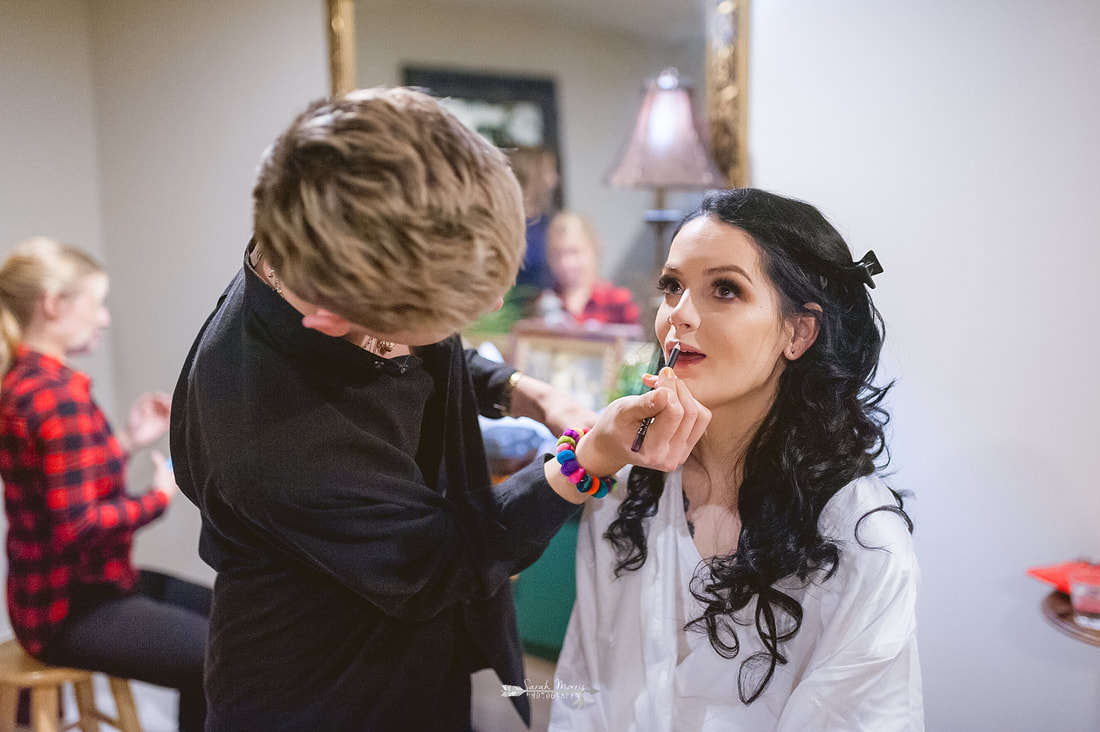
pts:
pixel 665 150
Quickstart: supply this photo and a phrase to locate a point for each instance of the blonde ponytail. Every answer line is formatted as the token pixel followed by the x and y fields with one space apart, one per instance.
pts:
pixel 10 336
pixel 34 268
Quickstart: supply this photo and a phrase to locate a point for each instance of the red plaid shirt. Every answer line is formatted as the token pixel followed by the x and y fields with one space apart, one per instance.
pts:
pixel 70 520
pixel 610 304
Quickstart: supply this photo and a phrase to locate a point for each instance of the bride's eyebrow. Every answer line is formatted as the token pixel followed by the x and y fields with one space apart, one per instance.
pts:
pixel 727 268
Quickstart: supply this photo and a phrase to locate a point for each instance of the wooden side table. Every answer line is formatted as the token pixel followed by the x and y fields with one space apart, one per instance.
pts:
pixel 1058 610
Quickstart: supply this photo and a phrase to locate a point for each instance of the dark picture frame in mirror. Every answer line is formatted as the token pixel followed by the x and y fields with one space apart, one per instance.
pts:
pixel 509 111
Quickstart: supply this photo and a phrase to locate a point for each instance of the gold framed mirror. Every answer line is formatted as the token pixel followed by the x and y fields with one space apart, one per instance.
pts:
pixel 725 71
pixel 341 45
pixel 727 60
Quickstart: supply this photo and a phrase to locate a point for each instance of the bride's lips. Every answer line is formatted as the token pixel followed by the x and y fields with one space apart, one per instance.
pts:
pixel 689 356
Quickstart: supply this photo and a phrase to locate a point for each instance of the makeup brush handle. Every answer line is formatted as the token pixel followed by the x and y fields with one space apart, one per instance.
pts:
pixel 640 437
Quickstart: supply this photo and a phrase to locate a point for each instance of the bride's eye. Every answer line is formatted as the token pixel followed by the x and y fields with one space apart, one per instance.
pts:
pixel 726 289
pixel 668 285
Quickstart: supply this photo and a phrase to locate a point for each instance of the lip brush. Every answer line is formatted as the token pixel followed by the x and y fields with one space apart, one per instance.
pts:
pixel 640 437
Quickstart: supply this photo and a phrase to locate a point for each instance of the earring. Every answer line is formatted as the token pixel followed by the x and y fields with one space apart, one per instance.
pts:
pixel 275 280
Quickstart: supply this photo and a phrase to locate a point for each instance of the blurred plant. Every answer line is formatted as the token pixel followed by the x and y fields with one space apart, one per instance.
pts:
pixel 639 360
pixel 517 305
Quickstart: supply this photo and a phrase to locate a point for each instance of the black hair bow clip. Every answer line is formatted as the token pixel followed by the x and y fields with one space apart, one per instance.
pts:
pixel 868 267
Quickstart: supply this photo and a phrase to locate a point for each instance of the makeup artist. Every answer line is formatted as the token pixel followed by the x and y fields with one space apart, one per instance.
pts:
pixel 325 424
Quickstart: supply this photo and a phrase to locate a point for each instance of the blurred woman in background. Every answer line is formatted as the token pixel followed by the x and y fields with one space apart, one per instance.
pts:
pixel 577 294
pixel 74 597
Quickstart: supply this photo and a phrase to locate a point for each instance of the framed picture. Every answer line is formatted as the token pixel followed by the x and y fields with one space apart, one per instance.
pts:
pixel 590 365
pixel 509 111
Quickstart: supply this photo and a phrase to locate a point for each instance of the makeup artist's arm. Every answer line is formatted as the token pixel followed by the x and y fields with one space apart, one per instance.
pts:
pixel 503 391
pixel 554 408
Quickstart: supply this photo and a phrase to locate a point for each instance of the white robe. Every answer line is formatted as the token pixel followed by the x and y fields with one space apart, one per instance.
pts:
pixel 852 666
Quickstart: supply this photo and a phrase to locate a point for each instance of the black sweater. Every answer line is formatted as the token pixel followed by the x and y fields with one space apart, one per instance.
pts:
pixel 362 554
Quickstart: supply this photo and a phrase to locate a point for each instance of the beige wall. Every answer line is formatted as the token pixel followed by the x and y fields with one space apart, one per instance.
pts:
pixel 49 169
pixel 959 141
pixel 133 128
pixel 598 77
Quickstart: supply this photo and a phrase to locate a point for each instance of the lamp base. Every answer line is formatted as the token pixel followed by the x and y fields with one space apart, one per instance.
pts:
pixel 660 218
pixel 662 215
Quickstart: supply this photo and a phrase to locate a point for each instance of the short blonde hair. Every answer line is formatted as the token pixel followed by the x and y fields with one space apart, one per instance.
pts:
pixel 565 222
pixel 382 207
pixel 36 267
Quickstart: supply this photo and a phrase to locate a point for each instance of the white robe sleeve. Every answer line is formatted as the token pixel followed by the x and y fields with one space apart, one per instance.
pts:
pixel 864 673
pixel 579 663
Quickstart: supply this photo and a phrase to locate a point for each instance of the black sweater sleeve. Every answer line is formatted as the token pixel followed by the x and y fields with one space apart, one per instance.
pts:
pixel 490 382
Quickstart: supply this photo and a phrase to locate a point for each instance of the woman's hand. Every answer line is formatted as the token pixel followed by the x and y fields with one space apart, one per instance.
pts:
pixel 163 477
pixel 678 423
pixel 552 407
pixel 148 421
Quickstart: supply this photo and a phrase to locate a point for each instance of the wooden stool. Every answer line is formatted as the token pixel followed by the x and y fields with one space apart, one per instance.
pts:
pixel 19 670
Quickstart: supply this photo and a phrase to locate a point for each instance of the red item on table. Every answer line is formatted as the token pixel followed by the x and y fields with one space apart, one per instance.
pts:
pixel 1057 574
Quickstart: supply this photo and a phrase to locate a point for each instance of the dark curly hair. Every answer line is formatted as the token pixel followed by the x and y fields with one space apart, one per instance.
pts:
pixel 825 429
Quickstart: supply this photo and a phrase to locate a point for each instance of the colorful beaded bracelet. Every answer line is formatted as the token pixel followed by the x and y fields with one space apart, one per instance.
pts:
pixel 571 469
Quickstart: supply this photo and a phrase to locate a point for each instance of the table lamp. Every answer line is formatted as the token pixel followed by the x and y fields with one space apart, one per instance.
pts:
pixel 665 151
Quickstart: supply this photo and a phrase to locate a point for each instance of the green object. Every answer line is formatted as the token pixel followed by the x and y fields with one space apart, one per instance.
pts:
pixel 517 304
pixel 544 595
pixel 637 361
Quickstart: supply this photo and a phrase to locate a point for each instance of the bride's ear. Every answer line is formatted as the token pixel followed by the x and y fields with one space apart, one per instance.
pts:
pixel 804 329
pixel 327 322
